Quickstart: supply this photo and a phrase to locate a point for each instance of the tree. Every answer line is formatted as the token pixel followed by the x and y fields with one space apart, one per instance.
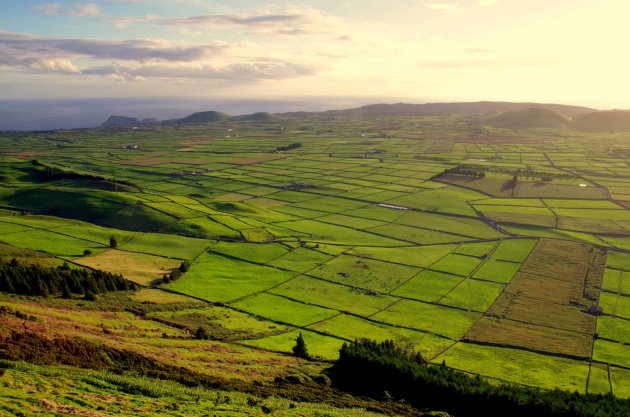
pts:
pixel 202 333
pixel 300 349
pixel 65 290
pixel 184 267
pixel 113 242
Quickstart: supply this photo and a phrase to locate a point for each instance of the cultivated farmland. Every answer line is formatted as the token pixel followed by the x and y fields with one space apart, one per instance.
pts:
pixel 520 275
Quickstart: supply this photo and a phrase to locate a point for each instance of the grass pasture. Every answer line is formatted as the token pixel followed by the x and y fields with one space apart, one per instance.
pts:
pixel 506 364
pixel 141 268
pixel 350 235
pixel 364 273
pixel 171 246
pixel 333 296
pixel 497 271
pixel 217 278
pixel 281 309
pixel 351 328
pixel 429 318
pixel 429 286
pixel 50 242
pixel 420 256
pixel 472 295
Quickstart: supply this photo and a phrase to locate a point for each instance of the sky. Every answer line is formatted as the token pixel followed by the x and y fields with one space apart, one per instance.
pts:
pixel 561 51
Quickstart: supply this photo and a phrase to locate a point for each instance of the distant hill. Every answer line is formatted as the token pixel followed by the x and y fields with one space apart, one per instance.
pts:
pixel 115 121
pixel 603 121
pixel 529 118
pixel 461 109
pixel 204 117
pixel 259 117
pixel 118 121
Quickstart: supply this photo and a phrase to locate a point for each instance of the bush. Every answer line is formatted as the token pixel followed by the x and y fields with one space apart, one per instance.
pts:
pixel 202 333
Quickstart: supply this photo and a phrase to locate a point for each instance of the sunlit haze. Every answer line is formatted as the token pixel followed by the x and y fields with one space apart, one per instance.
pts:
pixel 564 51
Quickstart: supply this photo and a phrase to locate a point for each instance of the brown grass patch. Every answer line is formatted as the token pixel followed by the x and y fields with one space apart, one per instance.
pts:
pixel 550 190
pixel 528 311
pixel 137 267
pixel 544 307
pixel 590 225
pixel 532 337
pixel 28 154
pixel 544 288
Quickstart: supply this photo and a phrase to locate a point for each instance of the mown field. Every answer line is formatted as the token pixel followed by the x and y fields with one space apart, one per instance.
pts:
pixel 522 275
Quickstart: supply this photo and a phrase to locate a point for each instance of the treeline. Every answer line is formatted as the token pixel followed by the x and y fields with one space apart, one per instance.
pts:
pixel 383 370
pixel 464 170
pixel 176 273
pixel 60 281
pixel 57 174
pixel 288 147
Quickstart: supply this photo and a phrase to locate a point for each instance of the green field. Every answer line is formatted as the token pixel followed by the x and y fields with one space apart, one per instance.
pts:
pixel 363 231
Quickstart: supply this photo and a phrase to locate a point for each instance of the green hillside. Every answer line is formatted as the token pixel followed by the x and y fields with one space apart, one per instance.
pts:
pixel 605 121
pixel 529 119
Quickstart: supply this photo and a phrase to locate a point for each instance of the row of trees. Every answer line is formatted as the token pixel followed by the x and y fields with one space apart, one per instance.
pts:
pixel 288 147
pixel 60 281
pixel 463 170
pixel 386 371
pixel 49 173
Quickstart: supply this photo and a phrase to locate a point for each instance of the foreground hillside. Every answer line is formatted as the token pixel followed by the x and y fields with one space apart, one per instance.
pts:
pixel 500 252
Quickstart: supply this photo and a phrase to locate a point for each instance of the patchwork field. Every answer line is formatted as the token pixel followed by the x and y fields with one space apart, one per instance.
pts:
pixel 521 274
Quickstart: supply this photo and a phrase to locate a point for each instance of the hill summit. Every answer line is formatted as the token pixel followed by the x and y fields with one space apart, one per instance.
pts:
pixel 114 121
pixel 603 121
pixel 204 117
pixel 529 118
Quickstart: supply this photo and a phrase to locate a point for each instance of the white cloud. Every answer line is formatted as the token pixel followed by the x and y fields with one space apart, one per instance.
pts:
pixel 296 20
pixel 70 9
pixel 125 21
pixel 135 60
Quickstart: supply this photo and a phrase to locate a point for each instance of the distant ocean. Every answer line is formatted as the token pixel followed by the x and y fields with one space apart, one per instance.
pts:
pixel 52 114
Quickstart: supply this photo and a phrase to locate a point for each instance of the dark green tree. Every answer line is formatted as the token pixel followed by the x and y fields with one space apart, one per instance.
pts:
pixel 65 290
pixel 41 289
pixel 113 242
pixel 300 349
pixel 202 333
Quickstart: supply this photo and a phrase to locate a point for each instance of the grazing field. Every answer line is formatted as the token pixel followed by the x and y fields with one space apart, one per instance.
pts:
pixel 140 268
pixel 543 310
pixel 502 253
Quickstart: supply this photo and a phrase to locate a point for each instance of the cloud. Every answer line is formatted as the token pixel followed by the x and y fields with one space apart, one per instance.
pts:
pixel 291 21
pixel 69 9
pixel 135 60
pixel 126 21
pixel 448 7
pixel 238 72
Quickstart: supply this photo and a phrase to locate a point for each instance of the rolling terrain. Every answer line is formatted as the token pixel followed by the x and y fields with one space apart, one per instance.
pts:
pixel 497 245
